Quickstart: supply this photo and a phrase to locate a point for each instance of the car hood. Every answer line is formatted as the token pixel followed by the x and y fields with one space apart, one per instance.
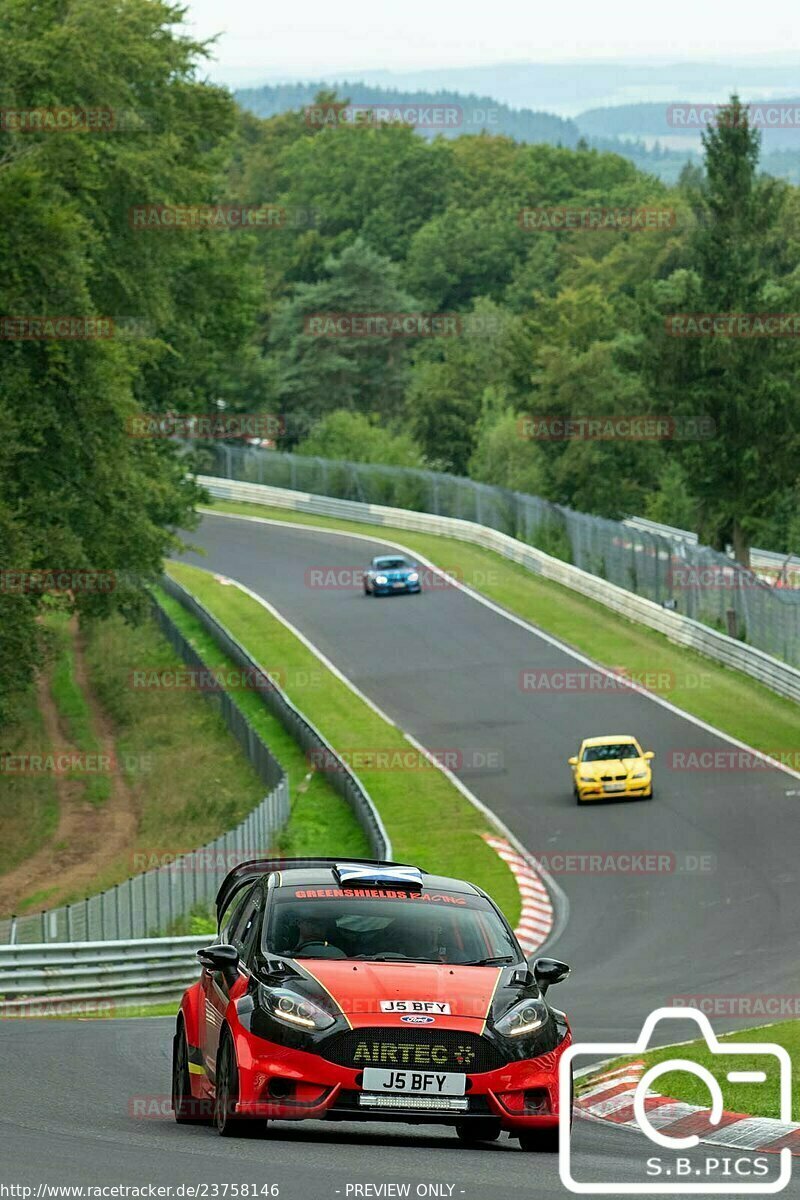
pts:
pixel 364 990
pixel 612 766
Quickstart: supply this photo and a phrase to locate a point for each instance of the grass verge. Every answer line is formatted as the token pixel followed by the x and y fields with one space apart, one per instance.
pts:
pixel 28 802
pixel 728 700
pixel 72 705
pixel 321 821
pixel 753 1099
pixel 427 818
pixel 189 779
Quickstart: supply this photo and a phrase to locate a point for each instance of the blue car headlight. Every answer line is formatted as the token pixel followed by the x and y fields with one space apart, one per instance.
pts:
pixel 413 577
pixel 381 579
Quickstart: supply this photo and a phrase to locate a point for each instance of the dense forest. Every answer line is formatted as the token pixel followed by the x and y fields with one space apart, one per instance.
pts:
pixel 554 317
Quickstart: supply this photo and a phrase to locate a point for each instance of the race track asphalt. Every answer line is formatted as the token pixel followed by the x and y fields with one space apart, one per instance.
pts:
pixel 446 668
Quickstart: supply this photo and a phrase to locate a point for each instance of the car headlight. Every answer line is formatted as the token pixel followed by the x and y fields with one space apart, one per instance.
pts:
pixel 640 774
pixel 292 1009
pixel 413 576
pixel 381 579
pixel 525 1017
pixel 586 778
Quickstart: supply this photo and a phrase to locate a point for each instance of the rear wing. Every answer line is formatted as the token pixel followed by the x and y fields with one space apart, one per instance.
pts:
pixel 255 868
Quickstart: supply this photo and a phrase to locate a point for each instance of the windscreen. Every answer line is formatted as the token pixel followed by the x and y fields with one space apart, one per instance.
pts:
pixel 376 924
pixel 391 564
pixel 605 753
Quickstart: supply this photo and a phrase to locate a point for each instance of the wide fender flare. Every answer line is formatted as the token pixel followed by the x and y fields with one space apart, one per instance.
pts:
pixel 192 1013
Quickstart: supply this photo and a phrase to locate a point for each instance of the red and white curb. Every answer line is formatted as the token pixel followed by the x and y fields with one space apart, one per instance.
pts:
pixel 536 920
pixel 609 1097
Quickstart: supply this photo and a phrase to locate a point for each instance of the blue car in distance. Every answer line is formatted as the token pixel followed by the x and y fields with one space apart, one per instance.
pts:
pixel 391 573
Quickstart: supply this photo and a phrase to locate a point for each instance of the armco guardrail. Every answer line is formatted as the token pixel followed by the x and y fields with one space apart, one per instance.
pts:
pixel 95 977
pixel 700 582
pixel 776 568
pixel 325 758
pixel 684 631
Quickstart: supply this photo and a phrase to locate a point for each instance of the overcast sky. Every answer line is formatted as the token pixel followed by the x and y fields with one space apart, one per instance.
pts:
pixel 314 38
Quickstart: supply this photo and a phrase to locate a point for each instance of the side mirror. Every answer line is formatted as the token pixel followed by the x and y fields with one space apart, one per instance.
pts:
pixel 222 958
pixel 573 762
pixel 648 754
pixel 547 971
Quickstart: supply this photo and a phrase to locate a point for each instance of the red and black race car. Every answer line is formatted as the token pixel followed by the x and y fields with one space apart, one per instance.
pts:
pixel 368 991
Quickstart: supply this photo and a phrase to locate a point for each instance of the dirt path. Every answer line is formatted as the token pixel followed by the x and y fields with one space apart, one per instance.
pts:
pixel 88 837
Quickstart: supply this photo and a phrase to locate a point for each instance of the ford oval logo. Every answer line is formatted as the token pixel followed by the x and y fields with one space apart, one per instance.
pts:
pixel 418 1020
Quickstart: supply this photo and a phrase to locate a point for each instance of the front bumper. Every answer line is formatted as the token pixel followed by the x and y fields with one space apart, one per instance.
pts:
pixel 389 589
pixel 521 1095
pixel 599 791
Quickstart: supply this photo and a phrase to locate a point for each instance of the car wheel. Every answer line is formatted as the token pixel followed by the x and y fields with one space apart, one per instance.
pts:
pixel 188 1110
pixel 226 1093
pixel 577 795
pixel 541 1141
pixel 648 795
pixel 367 592
pixel 473 1132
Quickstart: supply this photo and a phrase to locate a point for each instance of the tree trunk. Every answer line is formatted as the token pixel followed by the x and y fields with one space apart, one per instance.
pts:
pixel 741 545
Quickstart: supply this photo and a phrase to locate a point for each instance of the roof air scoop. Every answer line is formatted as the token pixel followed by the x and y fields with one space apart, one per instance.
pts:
pixel 359 874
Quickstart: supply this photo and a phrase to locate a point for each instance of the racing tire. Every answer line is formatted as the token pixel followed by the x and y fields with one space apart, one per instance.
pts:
pixel 540 1141
pixel 471 1133
pixel 367 592
pixel 648 795
pixel 226 1093
pixel 187 1108
pixel 578 797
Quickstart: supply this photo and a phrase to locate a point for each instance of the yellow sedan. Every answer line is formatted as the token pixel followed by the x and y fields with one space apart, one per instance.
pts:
pixel 611 766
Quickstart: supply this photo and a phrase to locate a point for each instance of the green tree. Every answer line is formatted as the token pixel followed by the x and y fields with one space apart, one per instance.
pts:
pixel 745 387
pixel 449 380
pixel 360 438
pixel 502 454
pixel 321 371
pixel 77 491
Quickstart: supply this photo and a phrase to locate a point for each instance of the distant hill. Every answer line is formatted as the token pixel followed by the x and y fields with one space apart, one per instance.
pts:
pixel 568 88
pixel 639 132
pixel 662 120
pixel 476 113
